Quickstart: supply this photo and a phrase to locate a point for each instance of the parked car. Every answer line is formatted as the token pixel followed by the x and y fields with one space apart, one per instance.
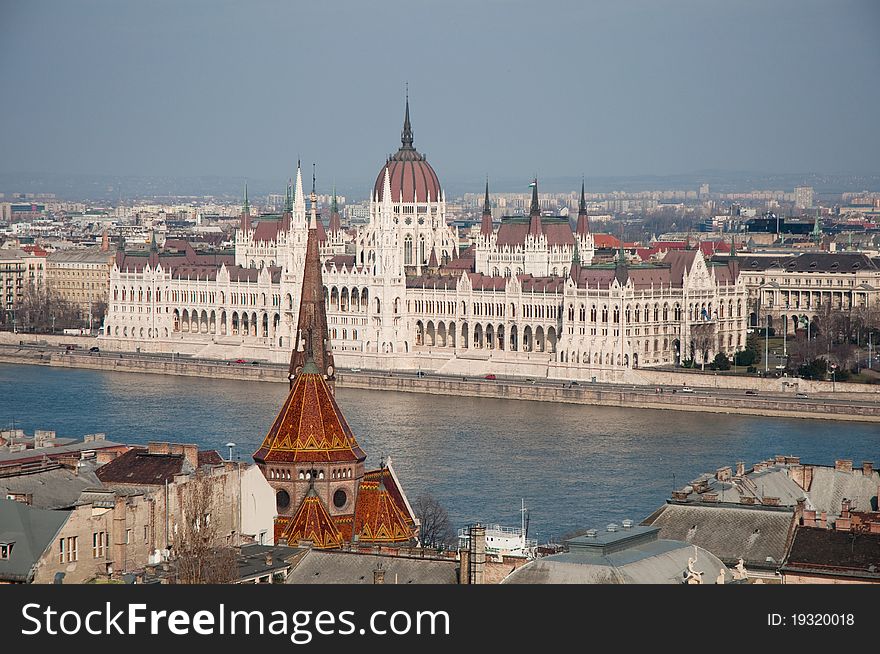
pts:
pixel 802 395
pixel 751 392
pixel 420 374
pixel 355 369
pixel 574 383
pixel 240 361
pixel 491 377
pixel 687 389
pixel 94 348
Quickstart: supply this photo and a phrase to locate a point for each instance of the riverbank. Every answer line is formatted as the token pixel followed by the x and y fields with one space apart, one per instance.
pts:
pixel 841 407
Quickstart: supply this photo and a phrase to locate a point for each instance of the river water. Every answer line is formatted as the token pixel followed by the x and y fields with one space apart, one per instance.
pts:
pixel 575 466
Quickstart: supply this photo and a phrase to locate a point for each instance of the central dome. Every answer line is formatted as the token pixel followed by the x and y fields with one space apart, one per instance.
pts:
pixel 412 178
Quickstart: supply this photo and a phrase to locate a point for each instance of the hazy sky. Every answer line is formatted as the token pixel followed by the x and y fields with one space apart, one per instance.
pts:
pixel 502 87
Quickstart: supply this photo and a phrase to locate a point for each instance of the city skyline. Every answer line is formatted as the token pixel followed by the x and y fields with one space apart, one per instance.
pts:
pixel 195 93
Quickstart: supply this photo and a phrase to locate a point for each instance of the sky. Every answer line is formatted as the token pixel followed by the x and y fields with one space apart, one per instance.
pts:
pixel 503 88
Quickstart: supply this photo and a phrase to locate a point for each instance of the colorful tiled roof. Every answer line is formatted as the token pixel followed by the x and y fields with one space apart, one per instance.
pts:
pixel 377 518
pixel 313 523
pixel 310 427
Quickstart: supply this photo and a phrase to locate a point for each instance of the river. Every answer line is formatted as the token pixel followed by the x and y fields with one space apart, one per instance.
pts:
pixel 575 466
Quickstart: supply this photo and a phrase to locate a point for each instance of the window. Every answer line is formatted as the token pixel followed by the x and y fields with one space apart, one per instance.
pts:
pixel 99 544
pixel 67 549
pixel 128 536
pixel 6 551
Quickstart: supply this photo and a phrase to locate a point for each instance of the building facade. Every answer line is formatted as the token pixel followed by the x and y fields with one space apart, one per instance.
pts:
pixel 524 299
pixel 82 278
pixel 791 291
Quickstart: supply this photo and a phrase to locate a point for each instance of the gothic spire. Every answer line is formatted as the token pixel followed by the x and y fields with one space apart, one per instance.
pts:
pixel 335 222
pixel 312 337
pixel 535 228
pixel 406 136
pixel 486 222
pixel 246 211
pixel 583 221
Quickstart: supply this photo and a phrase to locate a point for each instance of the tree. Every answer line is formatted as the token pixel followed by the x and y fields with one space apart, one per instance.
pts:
pixel 721 362
pixel 43 309
pixel 434 530
pixel 745 357
pixel 815 369
pixel 200 557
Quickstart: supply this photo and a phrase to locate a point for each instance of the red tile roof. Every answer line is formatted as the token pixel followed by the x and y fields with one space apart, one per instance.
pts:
pixel 312 523
pixel 310 427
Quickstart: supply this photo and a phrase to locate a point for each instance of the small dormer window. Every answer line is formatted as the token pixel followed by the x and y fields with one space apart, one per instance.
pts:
pixel 6 551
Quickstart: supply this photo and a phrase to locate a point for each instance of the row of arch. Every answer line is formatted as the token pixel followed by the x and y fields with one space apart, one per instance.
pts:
pixel 225 323
pixel 486 336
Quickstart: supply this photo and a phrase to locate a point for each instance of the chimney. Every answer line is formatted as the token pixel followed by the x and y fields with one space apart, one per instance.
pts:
pixel 268 558
pixel 771 501
pixel 378 574
pixel 779 459
pixel 874 527
pixel 159 448
pixel 843 465
pixel 867 468
pixel 105 456
pixel 799 510
pixel 746 499
pixel 477 545
pixel 680 495
pixel 809 518
pixel 740 468
pixel 709 497
pixel 823 520
pixel 844 508
pixel 723 474
pixel 191 454
pixel 793 460
pixel 464 566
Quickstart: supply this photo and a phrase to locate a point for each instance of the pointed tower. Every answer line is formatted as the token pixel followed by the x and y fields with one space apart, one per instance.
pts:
pixel 335 222
pixel 315 220
pixel 312 336
pixel 583 221
pixel 535 228
pixel 486 222
pixel 246 212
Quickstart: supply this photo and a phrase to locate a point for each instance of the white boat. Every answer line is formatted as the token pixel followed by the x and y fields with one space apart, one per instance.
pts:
pixel 505 541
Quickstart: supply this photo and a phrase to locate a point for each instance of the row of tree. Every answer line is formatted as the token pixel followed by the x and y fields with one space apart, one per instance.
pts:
pixel 43 309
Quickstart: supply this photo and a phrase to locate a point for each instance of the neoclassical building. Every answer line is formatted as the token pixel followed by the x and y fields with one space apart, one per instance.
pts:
pixel 524 298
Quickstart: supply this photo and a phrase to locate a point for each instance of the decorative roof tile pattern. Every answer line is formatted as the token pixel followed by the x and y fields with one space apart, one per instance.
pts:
pixel 310 427
pixel 312 523
pixel 377 518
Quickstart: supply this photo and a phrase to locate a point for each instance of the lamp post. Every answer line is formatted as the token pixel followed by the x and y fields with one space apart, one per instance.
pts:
pixel 767 345
pixel 833 377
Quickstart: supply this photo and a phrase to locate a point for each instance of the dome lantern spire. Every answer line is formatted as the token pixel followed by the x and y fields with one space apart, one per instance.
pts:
pixel 406 136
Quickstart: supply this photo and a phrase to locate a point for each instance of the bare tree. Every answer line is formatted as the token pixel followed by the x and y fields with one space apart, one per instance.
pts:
pixel 42 309
pixel 200 556
pixel 435 530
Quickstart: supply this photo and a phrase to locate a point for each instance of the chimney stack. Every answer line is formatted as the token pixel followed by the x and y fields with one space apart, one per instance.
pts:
pixel 477 545
pixel 867 468
pixel 191 454
pixel 843 465
pixel 740 468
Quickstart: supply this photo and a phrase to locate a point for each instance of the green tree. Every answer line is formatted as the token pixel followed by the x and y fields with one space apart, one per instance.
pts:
pixel 721 362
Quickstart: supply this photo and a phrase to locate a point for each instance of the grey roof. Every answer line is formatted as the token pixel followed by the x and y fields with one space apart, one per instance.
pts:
pixel 8 458
pixel 827 489
pixel 831 486
pixel 729 531
pixel 89 255
pixel 252 561
pixel 53 487
pixel 31 531
pixel 655 562
pixel 340 567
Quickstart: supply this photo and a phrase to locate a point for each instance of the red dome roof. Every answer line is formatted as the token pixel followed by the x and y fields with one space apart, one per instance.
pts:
pixel 412 178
